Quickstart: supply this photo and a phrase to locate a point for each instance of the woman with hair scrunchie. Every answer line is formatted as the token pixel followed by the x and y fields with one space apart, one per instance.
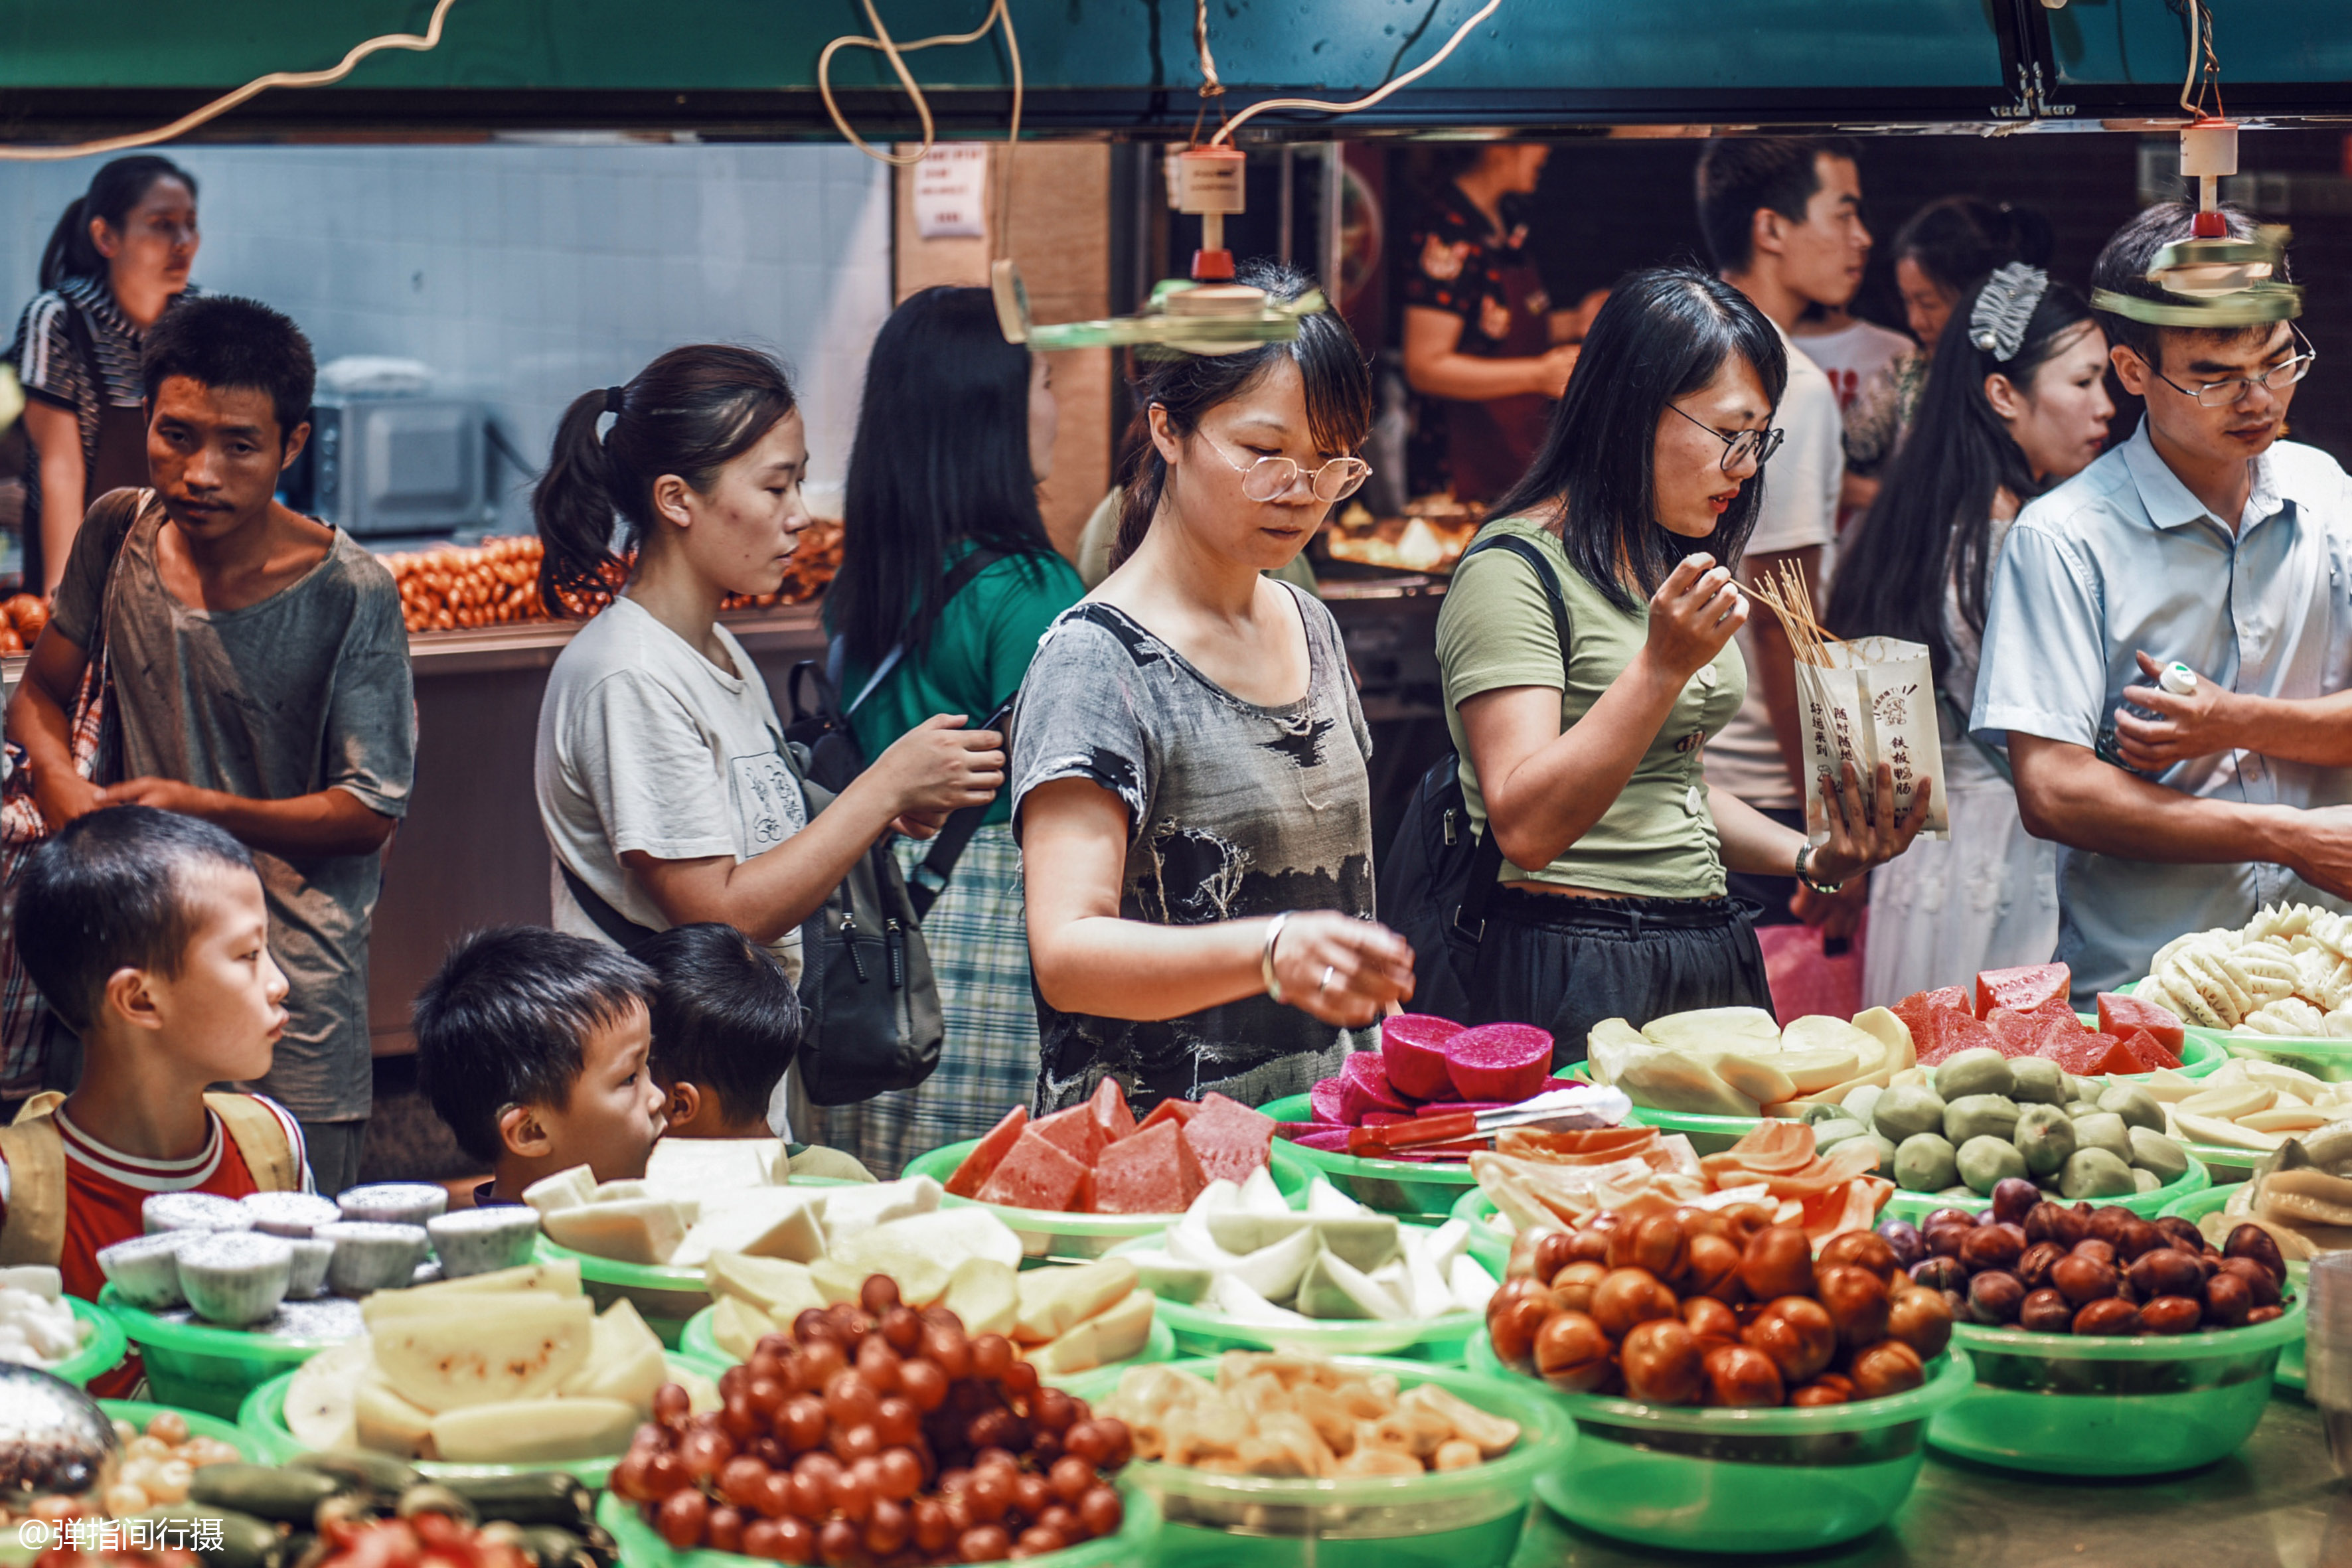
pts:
pixel 2017 402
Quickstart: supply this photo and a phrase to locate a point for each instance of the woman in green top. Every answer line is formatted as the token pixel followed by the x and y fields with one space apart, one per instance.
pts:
pixel 1582 752
pixel 946 582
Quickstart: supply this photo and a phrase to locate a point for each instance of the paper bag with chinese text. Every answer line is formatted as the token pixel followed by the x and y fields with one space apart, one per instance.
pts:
pixel 1873 701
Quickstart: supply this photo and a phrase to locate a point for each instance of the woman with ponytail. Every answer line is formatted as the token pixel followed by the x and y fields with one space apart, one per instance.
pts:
pixel 118 258
pixel 2017 401
pixel 663 780
pixel 1189 769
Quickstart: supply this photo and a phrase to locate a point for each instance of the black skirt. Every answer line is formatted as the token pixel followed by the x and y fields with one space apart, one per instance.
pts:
pixel 1566 964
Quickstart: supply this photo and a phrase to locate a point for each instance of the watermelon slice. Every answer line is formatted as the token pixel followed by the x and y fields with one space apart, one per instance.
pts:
pixel 1180 1112
pixel 2086 1055
pixel 1508 1062
pixel 2121 1015
pixel 1411 1050
pixel 1229 1139
pixel 1948 1032
pixel 1328 1099
pixel 1152 1172
pixel 988 1154
pixel 2150 1049
pixel 2123 1057
pixel 1364 1088
pixel 1082 1200
pixel 1076 1132
pixel 1036 1173
pixel 2014 1034
pixel 2023 990
pixel 1111 1111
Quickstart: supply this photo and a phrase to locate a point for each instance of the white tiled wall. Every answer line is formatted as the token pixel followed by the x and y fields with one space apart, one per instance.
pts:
pixel 528 274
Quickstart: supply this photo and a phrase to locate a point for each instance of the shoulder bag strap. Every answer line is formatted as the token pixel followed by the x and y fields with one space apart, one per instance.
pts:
pixel 1487 860
pixel 34 1229
pixel 626 934
pixel 261 1138
pixel 958 577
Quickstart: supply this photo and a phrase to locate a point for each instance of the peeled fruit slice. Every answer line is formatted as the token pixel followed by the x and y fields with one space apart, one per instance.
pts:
pixel 1506 1062
pixel 1411 1050
pixel 533 1431
pixel 762 1222
pixel 629 1230
pixel 521 1347
pixel 1714 1029
pixel 737 1326
pixel 1332 1288
pixel 1758 1076
pixel 771 1284
pixel 984 1295
pixel 386 1423
pixel 1052 1299
pixel 559 1279
pixel 2024 989
pixel 323 1393
pixel 1324 1099
pixel 563 1190
pixel 1364 1088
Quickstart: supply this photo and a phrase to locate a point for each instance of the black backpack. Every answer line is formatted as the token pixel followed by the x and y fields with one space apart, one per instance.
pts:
pixel 1439 873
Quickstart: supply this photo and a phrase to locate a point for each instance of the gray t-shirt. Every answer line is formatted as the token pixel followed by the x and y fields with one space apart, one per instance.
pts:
pixel 1234 810
pixel 309 690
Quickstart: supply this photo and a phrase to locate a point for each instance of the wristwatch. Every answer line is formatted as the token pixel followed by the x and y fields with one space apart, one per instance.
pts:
pixel 1804 855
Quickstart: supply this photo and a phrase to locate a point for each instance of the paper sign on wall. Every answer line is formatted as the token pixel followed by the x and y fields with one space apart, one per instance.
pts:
pixel 952 191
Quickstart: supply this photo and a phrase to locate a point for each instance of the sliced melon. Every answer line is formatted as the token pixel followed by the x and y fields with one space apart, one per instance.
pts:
pixel 1716 1029
pixel 518 1346
pixel 1273 1271
pixel 1052 1300
pixel 760 1222
pixel 387 1424
pixel 556 1280
pixel 625 1360
pixel 985 1294
pixel 626 1230
pixel 533 1431
pixel 323 1395
pixel 737 1326
pixel 771 1284
pixel 563 1190
pixel 1333 1288
pixel 1120 1330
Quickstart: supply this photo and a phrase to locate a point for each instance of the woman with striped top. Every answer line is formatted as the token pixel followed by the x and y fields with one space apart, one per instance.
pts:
pixel 117 260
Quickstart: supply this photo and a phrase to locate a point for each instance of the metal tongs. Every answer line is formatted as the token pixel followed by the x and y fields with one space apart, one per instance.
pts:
pixel 1577 1110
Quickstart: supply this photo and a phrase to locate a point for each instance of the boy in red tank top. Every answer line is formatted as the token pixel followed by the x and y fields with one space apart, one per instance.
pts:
pixel 147 933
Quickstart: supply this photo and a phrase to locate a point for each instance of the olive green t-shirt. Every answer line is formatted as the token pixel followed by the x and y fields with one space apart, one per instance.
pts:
pixel 1495 630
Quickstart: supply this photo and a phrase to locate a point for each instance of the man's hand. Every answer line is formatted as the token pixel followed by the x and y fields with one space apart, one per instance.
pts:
pixel 2198 725
pixel 163 795
pixel 65 796
pixel 2320 849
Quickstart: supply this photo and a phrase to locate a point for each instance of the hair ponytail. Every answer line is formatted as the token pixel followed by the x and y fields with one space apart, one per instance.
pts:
pixel 689 413
pixel 1339 389
pixel 114 190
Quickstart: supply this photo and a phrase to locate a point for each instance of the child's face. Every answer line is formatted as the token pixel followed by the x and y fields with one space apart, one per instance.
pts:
pixel 220 1015
pixel 615 1113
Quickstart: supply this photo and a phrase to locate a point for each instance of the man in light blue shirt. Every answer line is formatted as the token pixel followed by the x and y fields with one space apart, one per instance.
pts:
pixel 2208 541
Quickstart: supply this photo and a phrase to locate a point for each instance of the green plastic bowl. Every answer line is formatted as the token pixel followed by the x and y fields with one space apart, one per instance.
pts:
pixel 2067 1404
pixel 1048 1236
pixel 1202 1331
pixel 1916 1207
pixel 697 1342
pixel 1692 1479
pixel 1422 1190
pixel 262 1422
pixel 1456 1518
pixel 139 1412
pixel 101 1354
pixel 2196 1206
pixel 201 1366
pixel 640 1546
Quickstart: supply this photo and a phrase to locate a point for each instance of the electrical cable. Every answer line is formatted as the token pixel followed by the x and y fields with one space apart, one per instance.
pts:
pixel 999 12
pixel 2204 65
pixel 1224 131
pixel 429 39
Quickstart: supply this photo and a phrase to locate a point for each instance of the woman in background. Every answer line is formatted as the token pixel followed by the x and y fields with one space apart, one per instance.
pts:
pixel 1947 248
pixel 946 582
pixel 1189 780
pixel 2017 401
pixel 118 258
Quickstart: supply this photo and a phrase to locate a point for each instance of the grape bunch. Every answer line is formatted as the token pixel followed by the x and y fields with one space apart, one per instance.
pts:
pixel 878 1437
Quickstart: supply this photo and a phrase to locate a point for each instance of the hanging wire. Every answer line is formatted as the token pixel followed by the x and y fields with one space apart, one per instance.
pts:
pixel 2204 65
pixel 429 39
pixel 1225 131
pixel 1211 85
pixel 999 13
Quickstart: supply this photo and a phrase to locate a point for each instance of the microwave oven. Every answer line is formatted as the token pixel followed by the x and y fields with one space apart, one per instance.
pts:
pixel 387 466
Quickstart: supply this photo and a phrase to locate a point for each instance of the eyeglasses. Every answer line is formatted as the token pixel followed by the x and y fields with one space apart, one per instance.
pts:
pixel 1740 446
pixel 2221 393
pixel 1270 477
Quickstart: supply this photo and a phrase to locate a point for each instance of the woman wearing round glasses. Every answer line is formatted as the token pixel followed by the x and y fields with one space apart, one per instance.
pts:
pixel 1582 736
pixel 1189 780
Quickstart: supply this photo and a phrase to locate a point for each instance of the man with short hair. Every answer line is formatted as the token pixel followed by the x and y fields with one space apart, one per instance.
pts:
pixel 2204 540
pixel 1782 218
pixel 260 681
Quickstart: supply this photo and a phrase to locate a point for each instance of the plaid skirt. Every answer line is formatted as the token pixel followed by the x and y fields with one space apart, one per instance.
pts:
pixel 979 938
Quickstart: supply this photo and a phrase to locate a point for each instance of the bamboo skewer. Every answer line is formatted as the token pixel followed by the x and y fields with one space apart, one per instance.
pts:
pixel 1788 600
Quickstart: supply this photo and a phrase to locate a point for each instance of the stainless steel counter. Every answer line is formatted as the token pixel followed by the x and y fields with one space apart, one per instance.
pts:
pixel 2275 1504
